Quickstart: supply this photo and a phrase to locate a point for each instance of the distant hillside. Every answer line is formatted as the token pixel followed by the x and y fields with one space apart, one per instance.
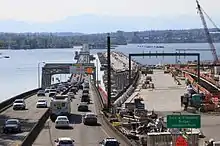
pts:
pixel 97 24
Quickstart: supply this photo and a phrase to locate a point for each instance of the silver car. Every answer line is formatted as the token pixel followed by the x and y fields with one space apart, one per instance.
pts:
pixel 19 104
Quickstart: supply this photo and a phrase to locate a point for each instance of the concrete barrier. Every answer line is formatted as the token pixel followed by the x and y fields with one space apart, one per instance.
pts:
pixel 8 103
pixel 30 138
pixel 122 136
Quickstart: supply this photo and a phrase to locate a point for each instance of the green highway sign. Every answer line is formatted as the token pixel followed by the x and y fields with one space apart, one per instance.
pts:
pixel 183 121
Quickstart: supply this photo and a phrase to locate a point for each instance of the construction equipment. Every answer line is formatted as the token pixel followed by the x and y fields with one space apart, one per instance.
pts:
pixel 209 38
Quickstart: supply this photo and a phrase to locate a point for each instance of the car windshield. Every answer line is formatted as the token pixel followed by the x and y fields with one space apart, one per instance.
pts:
pixel 112 143
pixel 42 100
pixel 65 142
pixel 53 90
pixel 41 91
pixel 62 119
pixel 18 101
pixel 91 115
pixel 11 122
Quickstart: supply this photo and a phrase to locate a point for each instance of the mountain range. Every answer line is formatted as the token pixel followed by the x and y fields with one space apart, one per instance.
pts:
pixel 99 24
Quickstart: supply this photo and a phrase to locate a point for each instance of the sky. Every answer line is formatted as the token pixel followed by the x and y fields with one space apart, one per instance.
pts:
pixel 43 11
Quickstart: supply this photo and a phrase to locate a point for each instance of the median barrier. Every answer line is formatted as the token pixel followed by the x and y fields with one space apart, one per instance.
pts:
pixel 32 135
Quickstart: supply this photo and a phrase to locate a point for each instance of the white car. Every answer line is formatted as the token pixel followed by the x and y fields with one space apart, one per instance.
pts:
pixel 109 142
pixel 41 103
pixel 19 104
pixel 64 141
pixel 62 122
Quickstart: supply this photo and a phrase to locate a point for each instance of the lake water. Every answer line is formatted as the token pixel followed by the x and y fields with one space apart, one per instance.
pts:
pixel 19 72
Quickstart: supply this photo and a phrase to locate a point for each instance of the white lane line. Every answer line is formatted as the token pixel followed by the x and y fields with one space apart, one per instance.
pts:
pixel 104 131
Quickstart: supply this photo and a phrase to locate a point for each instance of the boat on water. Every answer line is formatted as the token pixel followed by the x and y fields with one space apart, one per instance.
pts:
pixel 146 46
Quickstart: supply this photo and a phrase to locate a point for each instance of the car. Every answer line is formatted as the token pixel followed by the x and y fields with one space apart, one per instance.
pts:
pixel 41 103
pixel 47 90
pixel 41 93
pixel 90 119
pixel 109 142
pixel 12 125
pixel 83 106
pixel 86 91
pixel 71 94
pixel 85 98
pixel 62 122
pixel 64 141
pixel 52 94
pixel 74 90
pixel 19 104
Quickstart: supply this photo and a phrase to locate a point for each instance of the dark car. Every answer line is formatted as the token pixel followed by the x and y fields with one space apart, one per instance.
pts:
pixel 83 106
pixel 74 90
pixel 12 125
pixel 41 93
pixel 86 91
pixel 85 98
pixel 52 94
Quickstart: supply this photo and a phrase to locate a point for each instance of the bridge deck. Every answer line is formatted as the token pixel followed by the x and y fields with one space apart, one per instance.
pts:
pixel 206 85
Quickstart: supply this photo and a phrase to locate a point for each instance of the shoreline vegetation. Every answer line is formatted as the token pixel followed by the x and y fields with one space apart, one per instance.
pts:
pixel 17 41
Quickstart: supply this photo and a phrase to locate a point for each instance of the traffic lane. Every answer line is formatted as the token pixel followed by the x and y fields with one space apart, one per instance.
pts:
pixel 27 117
pixel 105 127
pixel 82 134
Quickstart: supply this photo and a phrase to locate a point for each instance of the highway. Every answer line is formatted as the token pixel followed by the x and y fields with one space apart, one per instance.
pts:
pixel 82 134
pixel 27 118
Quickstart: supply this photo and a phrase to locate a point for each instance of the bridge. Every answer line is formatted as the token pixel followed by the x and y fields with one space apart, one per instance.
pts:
pixel 38 130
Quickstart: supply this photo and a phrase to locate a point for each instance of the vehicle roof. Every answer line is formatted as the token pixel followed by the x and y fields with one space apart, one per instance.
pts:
pixel 42 100
pixel 41 91
pixel 111 139
pixel 83 103
pixel 65 138
pixel 62 117
pixel 53 92
pixel 19 99
pixel 12 120
pixel 90 113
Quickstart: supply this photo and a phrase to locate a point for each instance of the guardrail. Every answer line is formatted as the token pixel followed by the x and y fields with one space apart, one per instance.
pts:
pixel 128 92
pixel 8 103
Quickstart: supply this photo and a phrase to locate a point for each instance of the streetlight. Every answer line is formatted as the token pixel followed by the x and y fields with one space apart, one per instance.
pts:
pixel 97 72
pixel 38 66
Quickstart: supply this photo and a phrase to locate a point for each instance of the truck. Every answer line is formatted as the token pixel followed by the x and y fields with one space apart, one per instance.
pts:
pixel 60 105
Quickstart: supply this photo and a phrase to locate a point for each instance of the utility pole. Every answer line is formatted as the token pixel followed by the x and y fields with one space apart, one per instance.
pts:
pixel 109 70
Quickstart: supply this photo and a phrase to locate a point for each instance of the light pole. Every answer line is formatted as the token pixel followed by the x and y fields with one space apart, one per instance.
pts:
pixel 97 72
pixel 38 67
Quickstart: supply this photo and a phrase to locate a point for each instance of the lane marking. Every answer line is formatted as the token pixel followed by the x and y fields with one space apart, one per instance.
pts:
pixel 104 131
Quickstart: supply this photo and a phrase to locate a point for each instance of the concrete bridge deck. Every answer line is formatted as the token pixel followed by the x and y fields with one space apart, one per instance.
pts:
pixel 165 99
pixel 28 119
